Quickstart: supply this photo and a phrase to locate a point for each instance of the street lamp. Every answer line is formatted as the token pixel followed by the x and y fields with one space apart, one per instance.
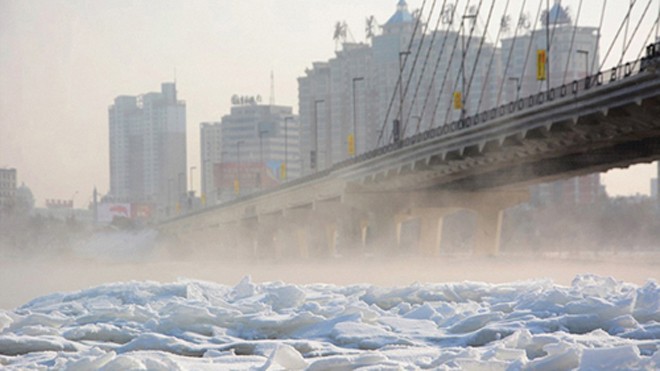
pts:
pixel 586 60
pixel 517 80
pixel 191 177
pixel 464 52
pixel 261 155
pixel 396 130
pixel 419 122
pixel 314 154
pixel 286 146
pixel 169 195
pixel 237 185
pixel 355 79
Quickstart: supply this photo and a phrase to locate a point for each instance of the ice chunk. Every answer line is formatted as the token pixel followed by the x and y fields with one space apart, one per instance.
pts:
pixel 285 356
pixel 121 363
pixel 12 345
pixel 565 359
pixel 93 361
pixel 286 297
pixel 647 304
pixel 425 311
pixel 244 289
pixel 474 322
pixel 152 341
pixel 616 358
pixel 5 320
pixel 340 363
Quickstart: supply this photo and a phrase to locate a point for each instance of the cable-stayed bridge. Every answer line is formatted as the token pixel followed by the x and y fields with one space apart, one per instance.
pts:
pixel 481 161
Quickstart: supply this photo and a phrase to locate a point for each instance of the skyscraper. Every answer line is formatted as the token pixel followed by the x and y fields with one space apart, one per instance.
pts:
pixel 148 148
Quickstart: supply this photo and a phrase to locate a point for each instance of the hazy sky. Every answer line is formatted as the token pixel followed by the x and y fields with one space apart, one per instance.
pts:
pixel 62 62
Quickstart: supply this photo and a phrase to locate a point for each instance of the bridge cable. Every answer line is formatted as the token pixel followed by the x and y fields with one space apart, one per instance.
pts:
pixel 426 60
pixel 431 84
pixel 648 5
pixel 492 58
pixel 618 32
pixel 398 83
pixel 600 27
pixel 444 78
pixel 646 41
pixel 414 65
pixel 550 44
pixel 508 61
pixel 474 66
pixel 412 70
pixel 529 48
pixel 570 50
pixel 464 52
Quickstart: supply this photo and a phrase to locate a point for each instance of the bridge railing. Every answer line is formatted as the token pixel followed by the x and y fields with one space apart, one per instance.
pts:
pixel 562 92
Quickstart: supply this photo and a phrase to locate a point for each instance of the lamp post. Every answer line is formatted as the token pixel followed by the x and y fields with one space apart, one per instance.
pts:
pixel 463 53
pixel 517 80
pixel 237 186
pixel 169 195
pixel 355 79
pixel 315 133
pixel 286 147
pixel 586 60
pixel 400 116
pixel 419 122
pixel 261 156
pixel 191 177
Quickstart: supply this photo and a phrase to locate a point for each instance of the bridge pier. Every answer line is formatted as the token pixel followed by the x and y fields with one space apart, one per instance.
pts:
pixel 431 222
pixel 383 233
pixel 388 211
pixel 489 231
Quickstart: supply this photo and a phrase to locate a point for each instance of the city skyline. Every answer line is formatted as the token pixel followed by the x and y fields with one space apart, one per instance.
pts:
pixel 62 76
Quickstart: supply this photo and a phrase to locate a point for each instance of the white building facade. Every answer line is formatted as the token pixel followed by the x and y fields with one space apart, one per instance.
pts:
pixel 253 148
pixel 148 148
pixel 357 94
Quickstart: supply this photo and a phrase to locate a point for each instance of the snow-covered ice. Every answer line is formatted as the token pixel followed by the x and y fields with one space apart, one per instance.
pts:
pixel 595 323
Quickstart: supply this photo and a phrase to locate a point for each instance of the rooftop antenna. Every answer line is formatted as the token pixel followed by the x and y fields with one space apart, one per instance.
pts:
pixel 174 75
pixel 272 88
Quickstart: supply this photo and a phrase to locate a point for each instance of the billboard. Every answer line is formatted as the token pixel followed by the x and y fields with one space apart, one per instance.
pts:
pixel 108 211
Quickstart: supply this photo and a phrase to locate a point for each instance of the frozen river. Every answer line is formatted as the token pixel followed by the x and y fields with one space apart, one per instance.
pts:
pixel 99 308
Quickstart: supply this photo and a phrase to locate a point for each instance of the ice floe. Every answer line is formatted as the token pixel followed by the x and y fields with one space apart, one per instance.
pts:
pixel 595 323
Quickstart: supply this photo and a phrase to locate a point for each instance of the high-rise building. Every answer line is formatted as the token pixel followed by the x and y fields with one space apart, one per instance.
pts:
pixel 211 154
pixel 356 96
pixel 571 51
pixel 148 148
pixel 253 148
pixel 581 190
pixel 7 189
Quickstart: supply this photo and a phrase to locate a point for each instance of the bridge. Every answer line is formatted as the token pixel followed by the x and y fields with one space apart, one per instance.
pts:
pixel 482 163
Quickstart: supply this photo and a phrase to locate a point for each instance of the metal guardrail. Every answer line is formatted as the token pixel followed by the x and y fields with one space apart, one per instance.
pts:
pixel 564 92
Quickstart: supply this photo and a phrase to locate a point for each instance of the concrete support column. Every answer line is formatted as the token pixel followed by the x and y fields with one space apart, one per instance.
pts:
pixel 330 239
pixel 302 241
pixel 430 234
pixel 489 230
pixel 247 239
pixel 384 233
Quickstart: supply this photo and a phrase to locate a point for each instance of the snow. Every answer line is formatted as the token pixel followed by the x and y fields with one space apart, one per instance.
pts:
pixel 595 323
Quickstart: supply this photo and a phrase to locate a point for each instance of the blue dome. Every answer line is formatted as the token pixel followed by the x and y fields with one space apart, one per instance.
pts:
pixel 558 15
pixel 402 14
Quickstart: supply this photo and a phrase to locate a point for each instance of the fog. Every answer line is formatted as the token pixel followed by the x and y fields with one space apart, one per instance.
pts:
pixel 128 256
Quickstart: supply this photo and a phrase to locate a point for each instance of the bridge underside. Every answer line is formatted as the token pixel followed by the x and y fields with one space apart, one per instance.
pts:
pixel 600 141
